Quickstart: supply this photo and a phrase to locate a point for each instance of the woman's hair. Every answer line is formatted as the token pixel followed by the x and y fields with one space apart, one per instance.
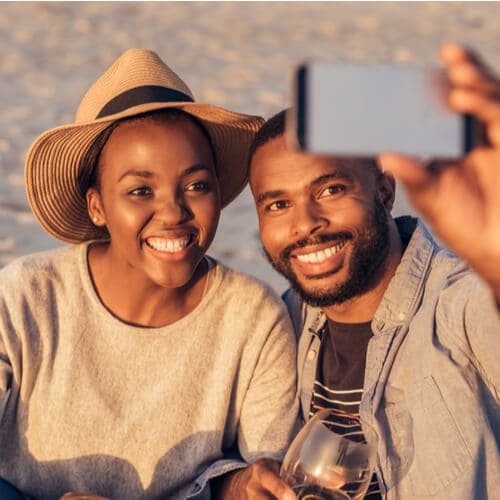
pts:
pixel 90 173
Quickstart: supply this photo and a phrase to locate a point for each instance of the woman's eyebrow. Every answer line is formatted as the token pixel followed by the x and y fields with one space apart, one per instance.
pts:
pixel 146 174
pixel 196 168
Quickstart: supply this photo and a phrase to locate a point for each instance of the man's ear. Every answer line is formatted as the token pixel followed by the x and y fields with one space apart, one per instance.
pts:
pixel 94 207
pixel 386 187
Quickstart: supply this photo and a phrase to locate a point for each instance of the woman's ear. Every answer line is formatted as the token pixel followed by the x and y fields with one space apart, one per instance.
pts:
pixel 386 186
pixel 94 207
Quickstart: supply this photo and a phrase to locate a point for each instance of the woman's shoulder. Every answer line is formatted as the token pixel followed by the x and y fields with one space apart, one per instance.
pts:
pixel 237 286
pixel 41 267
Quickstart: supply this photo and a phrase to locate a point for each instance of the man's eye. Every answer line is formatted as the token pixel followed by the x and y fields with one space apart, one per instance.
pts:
pixel 200 186
pixel 141 191
pixel 332 190
pixel 277 205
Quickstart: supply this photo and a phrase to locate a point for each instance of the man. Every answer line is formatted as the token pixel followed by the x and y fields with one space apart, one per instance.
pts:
pixel 389 322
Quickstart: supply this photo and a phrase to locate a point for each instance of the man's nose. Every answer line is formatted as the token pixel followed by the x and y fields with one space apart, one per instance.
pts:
pixel 308 219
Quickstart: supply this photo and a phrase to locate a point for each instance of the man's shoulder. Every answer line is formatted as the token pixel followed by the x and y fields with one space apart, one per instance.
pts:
pixel 425 267
pixel 462 289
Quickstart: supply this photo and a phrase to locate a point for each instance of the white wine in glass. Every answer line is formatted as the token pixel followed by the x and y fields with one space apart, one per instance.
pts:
pixel 331 458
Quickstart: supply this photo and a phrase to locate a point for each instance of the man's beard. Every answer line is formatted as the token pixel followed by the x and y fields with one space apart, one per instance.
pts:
pixel 367 263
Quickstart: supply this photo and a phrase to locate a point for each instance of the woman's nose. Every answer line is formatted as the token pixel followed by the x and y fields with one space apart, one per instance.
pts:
pixel 172 210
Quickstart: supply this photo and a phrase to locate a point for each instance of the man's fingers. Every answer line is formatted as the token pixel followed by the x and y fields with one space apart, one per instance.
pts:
pixel 484 108
pixel 284 492
pixel 268 479
pixel 452 54
pixel 267 464
pixel 408 170
pixel 469 101
pixel 475 88
pixel 419 181
pixel 467 75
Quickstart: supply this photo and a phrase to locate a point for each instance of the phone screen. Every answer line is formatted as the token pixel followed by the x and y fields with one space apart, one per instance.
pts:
pixel 362 110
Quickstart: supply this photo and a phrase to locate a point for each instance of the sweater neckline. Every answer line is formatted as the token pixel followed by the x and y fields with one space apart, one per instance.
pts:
pixel 214 278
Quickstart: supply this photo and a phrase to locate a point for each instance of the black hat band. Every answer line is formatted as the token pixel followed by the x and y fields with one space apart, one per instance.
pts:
pixel 142 95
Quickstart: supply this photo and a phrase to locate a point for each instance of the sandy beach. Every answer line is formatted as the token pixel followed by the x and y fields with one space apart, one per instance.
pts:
pixel 234 54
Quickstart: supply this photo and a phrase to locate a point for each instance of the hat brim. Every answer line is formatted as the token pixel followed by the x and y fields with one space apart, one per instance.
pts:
pixel 55 158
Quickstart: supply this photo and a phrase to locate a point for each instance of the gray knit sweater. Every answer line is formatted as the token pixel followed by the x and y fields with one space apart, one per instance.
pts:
pixel 91 404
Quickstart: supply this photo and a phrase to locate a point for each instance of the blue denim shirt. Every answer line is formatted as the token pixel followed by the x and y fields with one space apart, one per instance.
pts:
pixel 432 379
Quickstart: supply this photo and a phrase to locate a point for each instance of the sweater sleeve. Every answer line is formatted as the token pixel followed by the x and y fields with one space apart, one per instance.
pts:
pixel 268 419
pixel 268 416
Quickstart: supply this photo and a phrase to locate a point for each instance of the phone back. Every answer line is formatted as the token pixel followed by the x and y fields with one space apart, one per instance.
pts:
pixel 361 110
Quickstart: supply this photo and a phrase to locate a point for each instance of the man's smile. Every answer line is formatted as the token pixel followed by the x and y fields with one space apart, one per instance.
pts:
pixel 320 256
pixel 319 261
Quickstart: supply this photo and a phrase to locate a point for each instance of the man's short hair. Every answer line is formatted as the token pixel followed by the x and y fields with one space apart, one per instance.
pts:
pixel 274 127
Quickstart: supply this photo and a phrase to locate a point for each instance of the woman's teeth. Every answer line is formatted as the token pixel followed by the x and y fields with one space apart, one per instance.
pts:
pixel 318 257
pixel 169 245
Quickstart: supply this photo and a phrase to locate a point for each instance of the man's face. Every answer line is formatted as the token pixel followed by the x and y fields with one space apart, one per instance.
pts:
pixel 322 222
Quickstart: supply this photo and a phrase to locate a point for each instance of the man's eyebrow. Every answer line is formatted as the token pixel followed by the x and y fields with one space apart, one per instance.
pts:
pixel 272 195
pixel 269 195
pixel 336 175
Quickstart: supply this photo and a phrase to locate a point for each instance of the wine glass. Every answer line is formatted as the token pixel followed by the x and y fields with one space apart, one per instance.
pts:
pixel 331 458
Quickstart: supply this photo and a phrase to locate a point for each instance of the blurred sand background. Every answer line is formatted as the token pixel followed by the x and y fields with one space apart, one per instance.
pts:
pixel 234 54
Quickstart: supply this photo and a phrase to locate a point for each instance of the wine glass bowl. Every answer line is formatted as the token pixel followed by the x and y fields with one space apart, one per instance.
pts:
pixel 331 458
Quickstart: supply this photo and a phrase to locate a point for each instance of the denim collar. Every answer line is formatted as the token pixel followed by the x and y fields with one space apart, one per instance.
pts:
pixel 404 291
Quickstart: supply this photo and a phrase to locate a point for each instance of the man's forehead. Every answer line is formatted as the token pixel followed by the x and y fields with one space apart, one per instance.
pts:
pixel 277 157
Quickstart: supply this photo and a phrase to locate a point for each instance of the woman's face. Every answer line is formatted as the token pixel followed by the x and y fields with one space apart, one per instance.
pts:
pixel 159 199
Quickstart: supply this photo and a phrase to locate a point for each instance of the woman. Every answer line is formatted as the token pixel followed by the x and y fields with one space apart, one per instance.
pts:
pixel 132 365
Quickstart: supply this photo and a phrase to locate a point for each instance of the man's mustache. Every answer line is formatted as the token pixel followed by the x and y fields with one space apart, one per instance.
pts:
pixel 315 240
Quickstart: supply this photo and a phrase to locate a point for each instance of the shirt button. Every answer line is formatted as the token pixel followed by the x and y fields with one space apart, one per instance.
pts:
pixel 311 355
pixel 401 316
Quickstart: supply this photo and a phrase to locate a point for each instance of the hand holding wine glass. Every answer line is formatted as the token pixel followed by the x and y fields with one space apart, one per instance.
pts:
pixel 331 459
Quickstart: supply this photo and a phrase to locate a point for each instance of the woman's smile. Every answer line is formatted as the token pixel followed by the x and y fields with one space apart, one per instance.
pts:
pixel 171 247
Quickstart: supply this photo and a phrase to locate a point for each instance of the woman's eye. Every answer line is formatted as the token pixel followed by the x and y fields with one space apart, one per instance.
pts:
pixel 277 205
pixel 141 191
pixel 332 190
pixel 199 186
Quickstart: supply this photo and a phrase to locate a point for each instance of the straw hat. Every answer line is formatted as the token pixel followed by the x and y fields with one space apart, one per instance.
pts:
pixel 137 82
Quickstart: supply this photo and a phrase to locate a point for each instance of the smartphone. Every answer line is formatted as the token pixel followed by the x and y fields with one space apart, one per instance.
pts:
pixel 362 110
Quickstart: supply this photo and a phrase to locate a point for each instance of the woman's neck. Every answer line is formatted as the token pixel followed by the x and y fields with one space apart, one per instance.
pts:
pixel 133 298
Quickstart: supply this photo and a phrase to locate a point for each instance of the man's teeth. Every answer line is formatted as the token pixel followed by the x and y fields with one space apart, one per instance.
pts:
pixel 172 246
pixel 318 257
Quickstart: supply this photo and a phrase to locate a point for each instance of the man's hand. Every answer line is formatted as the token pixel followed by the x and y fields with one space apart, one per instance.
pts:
pixel 259 481
pixel 461 199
